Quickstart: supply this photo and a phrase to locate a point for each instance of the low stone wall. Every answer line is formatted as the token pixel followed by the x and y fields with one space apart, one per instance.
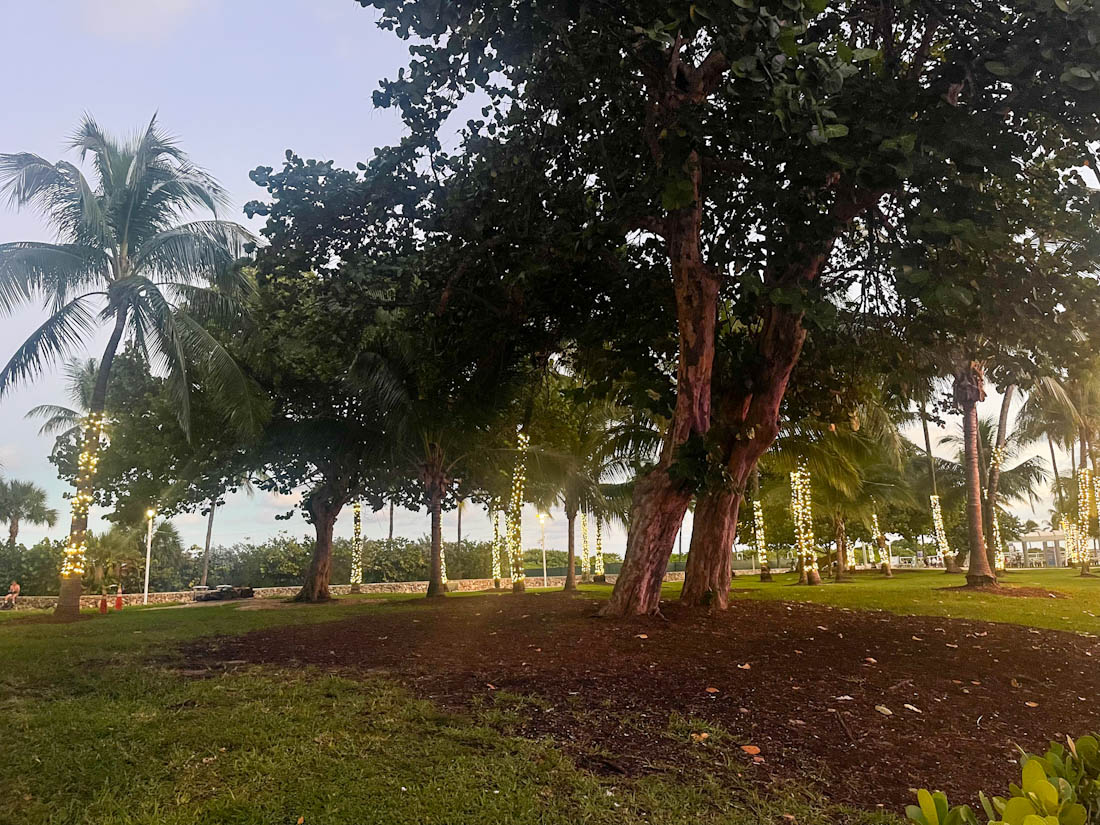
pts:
pixel 455 586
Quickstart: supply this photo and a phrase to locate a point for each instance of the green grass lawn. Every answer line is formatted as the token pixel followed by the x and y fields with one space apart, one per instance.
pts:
pixel 923 593
pixel 101 726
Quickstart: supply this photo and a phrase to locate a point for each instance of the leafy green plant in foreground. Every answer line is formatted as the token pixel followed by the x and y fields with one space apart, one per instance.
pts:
pixel 1061 787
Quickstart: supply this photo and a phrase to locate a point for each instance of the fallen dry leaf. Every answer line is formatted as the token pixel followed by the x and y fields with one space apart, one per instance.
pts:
pixel 913 708
pixel 641 636
pixel 885 711
pixel 751 750
pixel 301 819
pixel 712 690
pixel 700 737
pixel 745 666
pixel 1032 704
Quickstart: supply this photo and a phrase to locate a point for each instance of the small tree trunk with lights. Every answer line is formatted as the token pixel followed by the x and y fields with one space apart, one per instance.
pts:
pixel 72 570
pixel 884 553
pixel 571 555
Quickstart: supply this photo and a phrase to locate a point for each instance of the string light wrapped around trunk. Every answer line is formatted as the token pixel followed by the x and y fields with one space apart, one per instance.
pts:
pixel 515 512
pixel 598 559
pixel 998 544
pixel 1085 507
pixel 943 549
pixel 1069 530
pixel 802 512
pixel 72 566
pixel 758 534
pixel 586 558
pixel 879 538
pixel 496 548
pixel 357 547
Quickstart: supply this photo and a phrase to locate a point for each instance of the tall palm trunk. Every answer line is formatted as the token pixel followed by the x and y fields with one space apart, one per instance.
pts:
pixel 13 531
pixel 68 601
pixel 435 577
pixel 571 556
pixel 995 476
pixel 209 535
pixel 969 390
pixel 1057 480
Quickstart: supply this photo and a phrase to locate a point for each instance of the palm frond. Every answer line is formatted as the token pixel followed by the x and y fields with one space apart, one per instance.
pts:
pixel 62 332
pixel 29 270
pixel 194 250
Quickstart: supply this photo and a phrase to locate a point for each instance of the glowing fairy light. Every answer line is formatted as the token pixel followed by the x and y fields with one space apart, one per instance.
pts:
pixel 586 558
pixel 880 538
pixel 802 512
pixel 598 559
pixel 87 462
pixel 1086 504
pixel 758 534
pixel 515 512
pixel 357 547
pixel 1069 529
pixel 943 549
pixel 496 549
pixel 998 543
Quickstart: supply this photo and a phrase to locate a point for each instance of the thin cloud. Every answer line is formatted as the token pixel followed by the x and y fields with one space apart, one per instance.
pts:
pixel 132 19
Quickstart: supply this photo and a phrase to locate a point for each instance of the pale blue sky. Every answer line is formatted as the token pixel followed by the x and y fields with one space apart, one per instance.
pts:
pixel 239 81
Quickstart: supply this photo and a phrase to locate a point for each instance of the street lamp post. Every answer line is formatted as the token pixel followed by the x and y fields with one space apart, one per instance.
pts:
pixel 542 544
pixel 150 514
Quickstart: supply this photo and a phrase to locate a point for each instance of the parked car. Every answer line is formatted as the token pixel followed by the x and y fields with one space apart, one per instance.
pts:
pixel 222 592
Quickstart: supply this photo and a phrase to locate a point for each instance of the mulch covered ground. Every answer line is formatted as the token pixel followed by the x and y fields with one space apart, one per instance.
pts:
pixel 807 685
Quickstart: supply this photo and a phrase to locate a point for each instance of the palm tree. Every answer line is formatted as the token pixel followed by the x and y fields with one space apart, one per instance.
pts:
pixel 24 502
pixel 65 422
pixel 127 261
pixel 587 451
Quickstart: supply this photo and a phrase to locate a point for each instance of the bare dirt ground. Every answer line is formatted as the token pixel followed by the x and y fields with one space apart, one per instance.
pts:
pixel 867 703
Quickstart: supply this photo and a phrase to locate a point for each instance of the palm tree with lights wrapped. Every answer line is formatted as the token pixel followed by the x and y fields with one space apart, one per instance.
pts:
pixel 129 258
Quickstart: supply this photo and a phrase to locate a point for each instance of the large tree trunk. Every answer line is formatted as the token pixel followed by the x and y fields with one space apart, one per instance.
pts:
pixel 324 505
pixel 737 413
pixel 969 390
pixel 660 501
pixel 435 577
pixel 13 532
pixel 390 537
pixel 571 556
pixel 995 476
pixel 714 530
pixel 68 600
pixel 209 535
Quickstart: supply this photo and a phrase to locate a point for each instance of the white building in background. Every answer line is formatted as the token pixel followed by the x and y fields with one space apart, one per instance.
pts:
pixel 1038 549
